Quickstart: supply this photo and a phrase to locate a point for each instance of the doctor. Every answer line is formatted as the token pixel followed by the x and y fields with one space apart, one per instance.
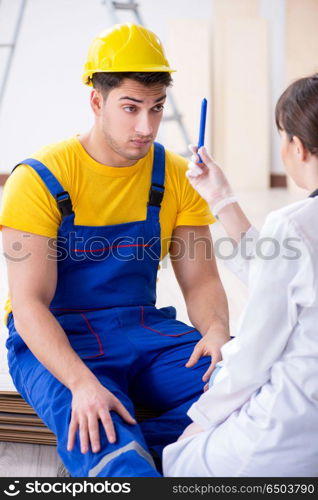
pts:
pixel 260 415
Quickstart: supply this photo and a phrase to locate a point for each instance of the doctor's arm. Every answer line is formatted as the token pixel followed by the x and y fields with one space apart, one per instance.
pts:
pixel 32 275
pixel 209 180
pixel 194 264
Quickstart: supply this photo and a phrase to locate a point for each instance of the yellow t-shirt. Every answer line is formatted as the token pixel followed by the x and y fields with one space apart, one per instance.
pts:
pixel 100 194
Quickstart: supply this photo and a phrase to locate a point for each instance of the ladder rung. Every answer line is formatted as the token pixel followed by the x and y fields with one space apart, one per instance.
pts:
pixel 125 6
pixel 171 118
pixel 3 45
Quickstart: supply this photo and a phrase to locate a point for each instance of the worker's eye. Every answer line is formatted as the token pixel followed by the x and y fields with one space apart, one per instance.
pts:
pixel 158 108
pixel 130 109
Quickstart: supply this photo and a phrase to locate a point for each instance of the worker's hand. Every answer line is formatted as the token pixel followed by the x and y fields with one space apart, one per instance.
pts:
pixel 190 431
pixel 209 345
pixel 92 402
pixel 207 178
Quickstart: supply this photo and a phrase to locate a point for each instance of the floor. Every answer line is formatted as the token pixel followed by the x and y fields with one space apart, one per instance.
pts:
pixel 25 460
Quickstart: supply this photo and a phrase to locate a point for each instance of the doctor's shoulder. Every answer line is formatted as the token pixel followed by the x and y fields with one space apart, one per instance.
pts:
pixel 291 232
pixel 299 217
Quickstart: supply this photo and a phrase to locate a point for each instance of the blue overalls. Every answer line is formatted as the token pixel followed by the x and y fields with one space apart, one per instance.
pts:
pixel 105 302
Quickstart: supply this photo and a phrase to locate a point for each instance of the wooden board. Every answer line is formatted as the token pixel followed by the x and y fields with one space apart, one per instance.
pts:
pixel 19 423
pixel 12 418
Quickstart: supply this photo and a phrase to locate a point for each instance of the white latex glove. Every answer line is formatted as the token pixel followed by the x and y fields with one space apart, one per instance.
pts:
pixel 207 178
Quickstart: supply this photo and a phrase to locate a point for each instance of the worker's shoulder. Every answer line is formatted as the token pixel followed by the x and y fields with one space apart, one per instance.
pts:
pixel 176 165
pixel 58 157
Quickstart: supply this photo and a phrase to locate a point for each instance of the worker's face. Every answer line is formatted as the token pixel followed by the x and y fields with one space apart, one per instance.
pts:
pixel 130 117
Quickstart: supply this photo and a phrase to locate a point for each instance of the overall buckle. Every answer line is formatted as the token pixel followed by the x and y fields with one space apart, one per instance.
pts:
pixel 64 203
pixel 155 196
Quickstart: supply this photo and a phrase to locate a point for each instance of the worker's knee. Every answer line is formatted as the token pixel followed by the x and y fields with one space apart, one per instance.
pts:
pixel 126 461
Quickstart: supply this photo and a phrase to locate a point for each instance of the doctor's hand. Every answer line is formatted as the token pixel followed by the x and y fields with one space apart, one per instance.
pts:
pixel 92 402
pixel 209 345
pixel 207 178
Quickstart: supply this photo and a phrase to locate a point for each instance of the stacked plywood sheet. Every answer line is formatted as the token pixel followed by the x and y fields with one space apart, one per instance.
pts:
pixel 19 423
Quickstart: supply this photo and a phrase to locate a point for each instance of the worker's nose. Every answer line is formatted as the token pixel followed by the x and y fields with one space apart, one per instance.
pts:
pixel 143 125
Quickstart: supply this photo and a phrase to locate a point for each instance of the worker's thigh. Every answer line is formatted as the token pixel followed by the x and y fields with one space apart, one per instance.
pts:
pixel 164 383
pixel 52 402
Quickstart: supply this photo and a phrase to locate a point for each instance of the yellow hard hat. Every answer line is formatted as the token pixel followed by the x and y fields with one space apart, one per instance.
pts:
pixel 125 47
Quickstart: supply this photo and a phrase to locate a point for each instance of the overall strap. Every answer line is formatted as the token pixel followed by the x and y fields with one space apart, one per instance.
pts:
pixel 61 196
pixel 158 178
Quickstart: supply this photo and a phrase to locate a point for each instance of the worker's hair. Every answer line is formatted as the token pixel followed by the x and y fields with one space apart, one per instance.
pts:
pixel 297 112
pixel 104 82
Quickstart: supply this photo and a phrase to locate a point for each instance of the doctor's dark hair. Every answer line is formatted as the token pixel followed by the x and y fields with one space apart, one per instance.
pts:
pixel 297 112
pixel 104 82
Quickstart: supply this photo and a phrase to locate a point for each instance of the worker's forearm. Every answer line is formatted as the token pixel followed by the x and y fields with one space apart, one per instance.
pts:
pixel 234 221
pixel 48 342
pixel 207 307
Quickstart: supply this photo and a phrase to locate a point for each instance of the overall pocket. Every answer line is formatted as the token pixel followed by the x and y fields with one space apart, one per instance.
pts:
pixel 163 322
pixel 82 335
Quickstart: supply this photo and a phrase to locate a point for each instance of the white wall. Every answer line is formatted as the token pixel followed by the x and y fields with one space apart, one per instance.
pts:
pixel 274 12
pixel 45 100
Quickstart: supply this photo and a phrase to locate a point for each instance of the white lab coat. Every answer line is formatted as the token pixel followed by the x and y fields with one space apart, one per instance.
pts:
pixel 260 418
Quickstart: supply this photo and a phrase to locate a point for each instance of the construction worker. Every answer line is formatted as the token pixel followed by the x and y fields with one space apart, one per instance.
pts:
pixel 85 224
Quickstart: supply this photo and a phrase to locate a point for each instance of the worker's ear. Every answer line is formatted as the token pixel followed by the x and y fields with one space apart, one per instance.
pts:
pixel 96 100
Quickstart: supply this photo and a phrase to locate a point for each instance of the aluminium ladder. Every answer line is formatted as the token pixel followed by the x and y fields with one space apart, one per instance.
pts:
pixel 11 46
pixel 114 7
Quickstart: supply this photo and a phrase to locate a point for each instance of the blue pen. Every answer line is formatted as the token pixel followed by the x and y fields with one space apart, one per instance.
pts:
pixel 204 105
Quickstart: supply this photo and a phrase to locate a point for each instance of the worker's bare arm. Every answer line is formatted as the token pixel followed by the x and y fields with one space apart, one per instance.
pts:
pixel 32 275
pixel 196 271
